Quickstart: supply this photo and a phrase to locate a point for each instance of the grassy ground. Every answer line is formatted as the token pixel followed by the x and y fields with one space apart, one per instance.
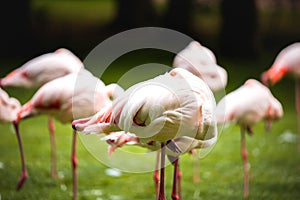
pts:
pixel 274 160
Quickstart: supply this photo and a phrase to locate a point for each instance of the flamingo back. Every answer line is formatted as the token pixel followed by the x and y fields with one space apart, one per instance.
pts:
pixel 201 61
pixel 9 107
pixel 43 69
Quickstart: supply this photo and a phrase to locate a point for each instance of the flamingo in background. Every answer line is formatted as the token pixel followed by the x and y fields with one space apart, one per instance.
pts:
pixel 202 62
pixel 159 112
pixel 40 70
pixel 67 98
pixel 9 107
pixel 287 62
pixel 246 106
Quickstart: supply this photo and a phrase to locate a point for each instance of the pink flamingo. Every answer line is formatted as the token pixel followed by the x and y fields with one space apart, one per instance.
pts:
pixel 246 106
pixel 40 70
pixel 202 62
pixel 287 62
pixel 159 112
pixel 67 98
pixel 9 107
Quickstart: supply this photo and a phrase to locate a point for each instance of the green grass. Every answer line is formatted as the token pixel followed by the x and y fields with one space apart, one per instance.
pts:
pixel 274 172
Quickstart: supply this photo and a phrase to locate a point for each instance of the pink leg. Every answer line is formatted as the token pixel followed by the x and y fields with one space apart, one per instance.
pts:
pixel 24 170
pixel 156 174
pixel 53 147
pixel 176 180
pixel 297 94
pixel 196 178
pixel 245 162
pixel 74 165
pixel 179 175
pixel 161 195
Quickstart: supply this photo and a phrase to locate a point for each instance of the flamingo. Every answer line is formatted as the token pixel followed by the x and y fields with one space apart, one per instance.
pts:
pixel 287 63
pixel 202 62
pixel 9 107
pixel 40 70
pixel 246 106
pixel 67 98
pixel 173 112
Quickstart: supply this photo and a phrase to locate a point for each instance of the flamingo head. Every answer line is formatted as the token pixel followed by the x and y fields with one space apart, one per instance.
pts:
pixel 273 75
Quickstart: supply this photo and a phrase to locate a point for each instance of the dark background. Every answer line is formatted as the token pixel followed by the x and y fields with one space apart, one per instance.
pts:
pixel 233 29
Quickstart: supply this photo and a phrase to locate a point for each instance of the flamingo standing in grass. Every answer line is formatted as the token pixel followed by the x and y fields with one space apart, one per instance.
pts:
pixel 159 112
pixel 67 98
pixel 40 70
pixel 9 107
pixel 246 106
pixel 202 62
pixel 286 63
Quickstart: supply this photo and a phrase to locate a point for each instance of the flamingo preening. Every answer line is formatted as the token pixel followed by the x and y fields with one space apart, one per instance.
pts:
pixel 173 112
pixel 67 98
pixel 246 106
pixel 9 108
pixel 40 70
pixel 202 62
pixel 287 63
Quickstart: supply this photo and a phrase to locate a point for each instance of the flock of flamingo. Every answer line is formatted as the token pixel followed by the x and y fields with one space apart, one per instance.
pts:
pixel 172 114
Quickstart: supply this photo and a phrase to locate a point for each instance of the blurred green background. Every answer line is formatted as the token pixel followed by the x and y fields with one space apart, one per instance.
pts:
pixel 254 32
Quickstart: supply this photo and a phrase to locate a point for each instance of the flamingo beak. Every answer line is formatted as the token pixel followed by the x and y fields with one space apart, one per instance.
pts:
pixel 78 122
pixel 273 75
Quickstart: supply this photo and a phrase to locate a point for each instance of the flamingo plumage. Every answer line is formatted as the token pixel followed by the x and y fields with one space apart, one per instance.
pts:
pixel 202 62
pixel 9 108
pixel 173 112
pixel 249 104
pixel 40 70
pixel 67 98
pixel 287 63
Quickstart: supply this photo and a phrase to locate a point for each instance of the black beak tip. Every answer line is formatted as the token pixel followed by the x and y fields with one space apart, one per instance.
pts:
pixel 74 126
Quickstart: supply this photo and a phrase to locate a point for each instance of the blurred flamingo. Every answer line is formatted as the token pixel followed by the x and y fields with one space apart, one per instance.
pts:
pixel 173 112
pixel 40 70
pixel 202 62
pixel 287 62
pixel 9 107
pixel 246 106
pixel 67 98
